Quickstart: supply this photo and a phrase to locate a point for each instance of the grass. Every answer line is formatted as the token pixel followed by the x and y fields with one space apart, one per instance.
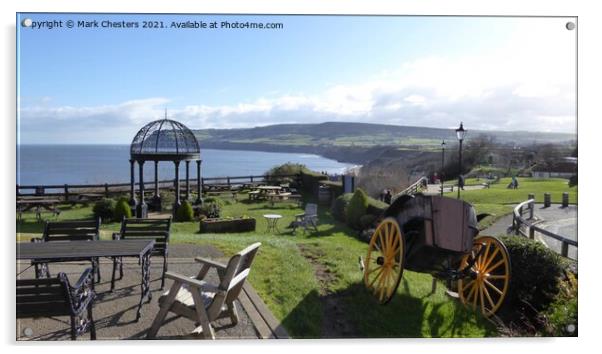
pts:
pixel 285 279
pixel 498 200
pixel 499 194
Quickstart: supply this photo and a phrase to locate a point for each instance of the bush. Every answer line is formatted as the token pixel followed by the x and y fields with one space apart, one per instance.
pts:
pixel 358 205
pixel 339 207
pixel 376 207
pixel 288 168
pixel 367 220
pixel 561 316
pixel 185 212
pixel 213 200
pixel 104 209
pixel 536 273
pixel 573 181
pixel 122 210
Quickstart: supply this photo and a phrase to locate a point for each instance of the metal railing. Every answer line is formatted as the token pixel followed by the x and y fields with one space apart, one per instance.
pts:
pixel 523 227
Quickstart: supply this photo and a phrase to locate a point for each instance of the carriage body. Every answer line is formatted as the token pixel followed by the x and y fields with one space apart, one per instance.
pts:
pixel 438 231
pixel 439 236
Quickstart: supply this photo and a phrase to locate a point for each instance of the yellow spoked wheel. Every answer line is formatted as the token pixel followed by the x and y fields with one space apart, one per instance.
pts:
pixel 487 286
pixel 384 262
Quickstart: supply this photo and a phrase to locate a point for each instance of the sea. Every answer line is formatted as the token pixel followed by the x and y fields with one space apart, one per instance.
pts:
pixel 97 164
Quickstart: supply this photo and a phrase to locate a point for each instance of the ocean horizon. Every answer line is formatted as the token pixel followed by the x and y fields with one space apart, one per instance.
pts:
pixel 97 164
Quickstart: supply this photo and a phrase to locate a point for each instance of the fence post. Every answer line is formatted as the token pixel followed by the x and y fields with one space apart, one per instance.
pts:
pixel 18 191
pixel 531 233
pixel 546 200
pixel 565 249
pixel 106 190
pixel 228 179
pixel 66 192
pixel 565 199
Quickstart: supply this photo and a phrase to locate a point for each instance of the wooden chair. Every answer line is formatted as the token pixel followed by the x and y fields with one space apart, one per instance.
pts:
pixel 56 297
pixel 144 229
pixel 202 302
pixel 64 231
pixel 307 219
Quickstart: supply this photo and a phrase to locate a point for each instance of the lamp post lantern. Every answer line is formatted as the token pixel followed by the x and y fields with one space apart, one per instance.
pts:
pixel 460 133
pixel 442 164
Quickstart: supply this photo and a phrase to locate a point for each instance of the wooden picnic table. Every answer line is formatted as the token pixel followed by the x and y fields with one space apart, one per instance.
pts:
pixel 48 204
pixel 71 250
pixel 262 192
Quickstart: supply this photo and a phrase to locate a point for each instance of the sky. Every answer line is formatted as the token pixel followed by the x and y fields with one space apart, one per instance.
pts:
pixel 100 85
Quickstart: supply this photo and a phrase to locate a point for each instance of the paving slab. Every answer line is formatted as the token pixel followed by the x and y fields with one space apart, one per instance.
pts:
pixel 115 312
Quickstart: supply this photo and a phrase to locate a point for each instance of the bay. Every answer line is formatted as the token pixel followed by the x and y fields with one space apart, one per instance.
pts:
pixel 96 164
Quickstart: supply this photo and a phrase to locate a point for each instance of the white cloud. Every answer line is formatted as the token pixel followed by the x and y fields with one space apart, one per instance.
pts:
pixel 526 85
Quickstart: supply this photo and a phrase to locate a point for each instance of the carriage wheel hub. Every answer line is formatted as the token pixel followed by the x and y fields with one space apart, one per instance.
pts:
pixel 380 261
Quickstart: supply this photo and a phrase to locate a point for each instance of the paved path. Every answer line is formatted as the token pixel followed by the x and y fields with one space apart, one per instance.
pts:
pixel 435 189
pixel 500 227
pixel 559 220
pixel 115 312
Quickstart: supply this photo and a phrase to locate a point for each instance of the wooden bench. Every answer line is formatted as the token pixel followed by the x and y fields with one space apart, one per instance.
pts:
pixel 56 297
pixel 144 229
pixel 64 231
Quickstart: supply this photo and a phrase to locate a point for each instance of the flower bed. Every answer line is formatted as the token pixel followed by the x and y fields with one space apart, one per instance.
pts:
pixel 227 225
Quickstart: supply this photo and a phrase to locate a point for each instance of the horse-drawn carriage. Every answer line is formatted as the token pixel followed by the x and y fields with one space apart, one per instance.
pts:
pixel 437 235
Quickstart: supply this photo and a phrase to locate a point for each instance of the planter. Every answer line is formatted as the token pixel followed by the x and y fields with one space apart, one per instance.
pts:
pixel 227 225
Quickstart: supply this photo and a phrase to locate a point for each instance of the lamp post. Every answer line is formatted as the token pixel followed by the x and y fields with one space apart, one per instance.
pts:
pixel 442 165
pixel 460 133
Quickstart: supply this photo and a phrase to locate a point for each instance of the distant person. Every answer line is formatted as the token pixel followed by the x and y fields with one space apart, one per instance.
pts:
pixel 461 182
pixel 514 182
pixel 388 196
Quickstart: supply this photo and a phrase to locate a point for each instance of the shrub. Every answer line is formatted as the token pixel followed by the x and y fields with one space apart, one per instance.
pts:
pixel 367 220
pixel 104 209
pixel 185 212
pixel 376 207
pixel 356 208
pixel 167 200
pixel 536 273
pixel 339 206
pixel 213 200
pixel 288 168
pixel 561 316
pixel 573 181
pixel 122 210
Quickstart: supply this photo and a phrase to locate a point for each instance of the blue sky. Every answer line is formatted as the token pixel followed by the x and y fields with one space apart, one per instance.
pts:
pixel 82 85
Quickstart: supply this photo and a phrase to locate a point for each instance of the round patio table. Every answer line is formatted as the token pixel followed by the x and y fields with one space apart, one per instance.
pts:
pixel 272 220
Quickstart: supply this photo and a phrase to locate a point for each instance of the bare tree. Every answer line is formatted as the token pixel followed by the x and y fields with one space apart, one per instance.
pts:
pixel 373 178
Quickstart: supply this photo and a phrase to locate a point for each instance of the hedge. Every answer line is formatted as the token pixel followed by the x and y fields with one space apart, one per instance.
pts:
pixel 536 273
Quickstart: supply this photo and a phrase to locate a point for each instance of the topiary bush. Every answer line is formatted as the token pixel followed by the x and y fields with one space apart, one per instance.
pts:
pixel 358 205
pixel 536 273
pixel 185 212
pixel 376 207
pixel 104 209
pixel 122 210
pixel 339 206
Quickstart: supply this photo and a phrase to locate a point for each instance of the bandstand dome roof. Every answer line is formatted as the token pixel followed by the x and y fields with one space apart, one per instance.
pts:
pixel 165 140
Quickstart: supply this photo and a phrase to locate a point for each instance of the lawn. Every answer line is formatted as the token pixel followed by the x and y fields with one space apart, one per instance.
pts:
pixel 499 194
pixel 284 275
pixel 498 200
